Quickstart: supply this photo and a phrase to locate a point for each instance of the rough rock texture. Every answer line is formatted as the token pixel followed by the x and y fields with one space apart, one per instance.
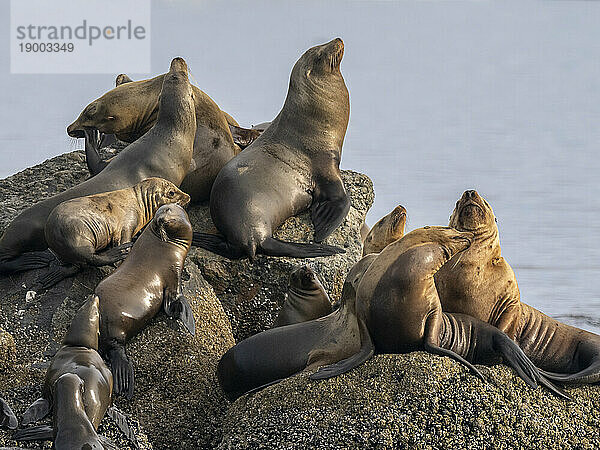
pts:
pixel 7 350
pixel 413 401
pixel 178 401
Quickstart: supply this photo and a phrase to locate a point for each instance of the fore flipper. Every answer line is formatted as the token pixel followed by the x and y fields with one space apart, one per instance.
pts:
pixel 216 244
pixel 330 206
pixel 122 370
pixel 365 353
pixel 275 247
pixel 38 433
pixel 36 411
pixel 7 416
pixel 244 136
pixel 432 348
pixel 122 423
pixel 92 156
pixel 111 255
pixel 27 261
pixel 179 308
pixel 54 275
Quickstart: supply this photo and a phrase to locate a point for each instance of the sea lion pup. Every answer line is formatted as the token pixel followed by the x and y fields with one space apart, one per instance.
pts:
pixel 164 152
pixel 387 230
pixel 80 230
pixel 77 389
pixel 130 109
pixel 292 166
pixel 397 300
pixel 480 282
pixel 7 416
pixel 305 298
pixel 149 278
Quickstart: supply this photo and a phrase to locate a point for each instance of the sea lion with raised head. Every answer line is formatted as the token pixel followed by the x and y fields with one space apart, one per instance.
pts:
pixel 130 109
pixel 480 282
pixel 387 230
pixel 291 167
pixel 164 152
pixel 97 229
pixel 77 389
pixel 150 278
pixel 397 300
pixel 305 298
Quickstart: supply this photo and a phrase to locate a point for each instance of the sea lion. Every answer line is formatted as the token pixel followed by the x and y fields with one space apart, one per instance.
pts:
pixel 149 278
pixel 364 231
pixel 397 300
pixel 305 298
pixel 80 230
pixel 77 389
pixel 292 166
pixel 481 283
pixel 7 416
pixel 164 152
pixel 130 109
pixel 387 230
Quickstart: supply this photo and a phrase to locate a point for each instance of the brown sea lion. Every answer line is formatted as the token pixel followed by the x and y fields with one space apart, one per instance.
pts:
pixel 364 231
pixel 79 231
pixel 480 282
pixel 387 230
pixel 130 109
pixel 77 389
pixel 150 278
pixel 164 152
pixel 291 167
pixel 397 300
pixel 305 298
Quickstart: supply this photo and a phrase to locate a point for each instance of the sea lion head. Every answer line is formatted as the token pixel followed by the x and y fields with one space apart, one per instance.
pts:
pixel 160 192
pixel 318 95
pixel 387 230
pixel 472 213
pixel 304 278
pixel 449 239
pixel 85 326
pixel 172 224
pixel 176 101
pixel 73 428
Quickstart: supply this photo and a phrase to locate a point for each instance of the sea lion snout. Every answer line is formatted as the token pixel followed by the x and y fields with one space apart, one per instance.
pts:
pixel 74 131
pixel 178 64
pixel 303 276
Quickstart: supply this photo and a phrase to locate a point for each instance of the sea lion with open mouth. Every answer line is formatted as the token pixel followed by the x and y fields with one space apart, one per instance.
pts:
pixel 480 282
pixel 291 167
pixel 164 152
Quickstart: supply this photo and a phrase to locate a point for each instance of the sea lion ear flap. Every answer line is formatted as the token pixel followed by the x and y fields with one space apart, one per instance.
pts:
pixel 122 79
pixel 244 136
pixel 180 308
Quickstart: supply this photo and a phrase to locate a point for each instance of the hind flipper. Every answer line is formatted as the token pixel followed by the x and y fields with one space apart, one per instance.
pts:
pixel 111 255
pixel 432 348
pixel 122 370
pixel 107 444
pixel 365 353
pixel 216 244
pixel 589 375
pixel 93 160
pixel 122 423
pixel 37 433
pixel 244 136
pixel 55 275
pixel 275 247
pixel 330 206
pixel 36 411
pixel 7 416
pixel 178 307
pixel 27 261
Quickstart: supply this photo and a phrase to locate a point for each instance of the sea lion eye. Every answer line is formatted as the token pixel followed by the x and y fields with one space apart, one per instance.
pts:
pixel 171 194
pixel 110 118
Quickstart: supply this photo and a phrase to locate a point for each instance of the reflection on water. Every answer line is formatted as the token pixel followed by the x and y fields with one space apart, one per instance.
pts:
pixel 500 97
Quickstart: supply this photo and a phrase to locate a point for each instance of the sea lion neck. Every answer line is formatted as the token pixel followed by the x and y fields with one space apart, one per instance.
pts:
pixel 85 326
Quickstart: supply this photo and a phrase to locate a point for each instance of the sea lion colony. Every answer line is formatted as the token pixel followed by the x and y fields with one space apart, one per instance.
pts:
pixel 445 290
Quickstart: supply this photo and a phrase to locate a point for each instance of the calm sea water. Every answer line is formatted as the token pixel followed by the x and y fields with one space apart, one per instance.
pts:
pixel 502 97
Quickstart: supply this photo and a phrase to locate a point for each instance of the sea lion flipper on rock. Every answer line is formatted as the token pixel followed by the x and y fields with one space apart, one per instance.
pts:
pixel 178 307
pixel 366 352
pixel 589 375
pixel 27 261
pixel 7 416
pixel 122 423
pixel 37 433
pixel 330 205
pixel 36 411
